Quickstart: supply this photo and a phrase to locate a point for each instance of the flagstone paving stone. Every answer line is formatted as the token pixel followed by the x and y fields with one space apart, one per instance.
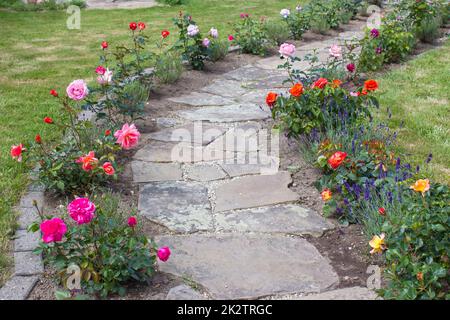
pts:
pixel 200 133
pixel 247 73
pixel 238 266
pixel 227 88
pixel 151 171
pixel 229 113
pixel 200 99
pixel 289 219
pixel 180 206
pixel 254 191
pixel 204 172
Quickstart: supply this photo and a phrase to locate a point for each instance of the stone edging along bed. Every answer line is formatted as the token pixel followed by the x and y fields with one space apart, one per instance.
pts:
pixel 27 265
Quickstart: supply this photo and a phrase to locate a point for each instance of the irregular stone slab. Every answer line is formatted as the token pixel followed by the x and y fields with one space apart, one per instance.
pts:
pixel 204 172
pixel 226 88
pixel 254 191
pixel 18 288
pixel 28 198
pixel 166 122
pixel 268 83
pixel 236 170
pixel 26 241
pixel 27 264
pixel 153 171
pixel 237 266
pixel 26 217
pixel 157 151
pixel 198 133
pixel 229 113
pixel 289 219
pixel 184 292
pixel 201 99
pixel 238 139
pixel 247 73
pixel 180 206
pixel 353 293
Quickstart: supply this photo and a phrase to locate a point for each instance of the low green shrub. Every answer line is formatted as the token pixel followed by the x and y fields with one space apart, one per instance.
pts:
pixel 218 50
pixel 251 36
pixel 428 30
pixel 169 67
pixel 277 33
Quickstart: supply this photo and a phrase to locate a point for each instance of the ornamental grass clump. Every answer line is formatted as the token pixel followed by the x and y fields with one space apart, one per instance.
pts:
pixel 97 248
pixel 251 36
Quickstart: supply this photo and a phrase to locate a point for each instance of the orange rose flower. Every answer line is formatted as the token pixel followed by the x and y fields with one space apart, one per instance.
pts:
pixel 88 162
pixel 271 99
pixel 326 194
pixel 370 85
pixel 336 159
pixel 296 90
pixel 336 83
pixel 108 168
pixel 421 185
pixel 320 83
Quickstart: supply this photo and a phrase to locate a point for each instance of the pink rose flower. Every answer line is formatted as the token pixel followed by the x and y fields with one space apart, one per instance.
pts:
pixel 335 51
pixel 108 168
pixel 105 78
pixel 53 230
pixel 206 42
pixel 81 210
pixel 354 94
pixel 287 50
pixel 351 67
pixel 163 254
pixel 128 136
pixel 77 90
pixel 132 221
pixel 100 70
pixel 230 37
pixel 16 152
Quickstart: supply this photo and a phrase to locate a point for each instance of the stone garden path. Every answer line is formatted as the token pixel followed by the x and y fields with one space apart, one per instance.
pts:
pixel 213 181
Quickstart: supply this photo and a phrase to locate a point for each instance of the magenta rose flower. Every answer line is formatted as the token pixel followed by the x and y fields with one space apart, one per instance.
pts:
pixel 163 254
pixel 81 210
pixel 53 230
pixel 77 90
pixel 128 136
pixel 132 221
pixel 287 50
pixel 374 33
pixel 351 67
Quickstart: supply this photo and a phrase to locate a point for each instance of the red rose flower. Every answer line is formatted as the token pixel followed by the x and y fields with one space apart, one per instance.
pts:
pixel 54 93
pixel 38 139
pixel 296 90
pixel 271 98
pixel 320 83
pixel 107 132
pixel 132 221
pixel 336 159
pixel 370 85
pixel 141 26
pixel 104 45
pixel 382 211
pixel 133 25
pixel 48 120
pixel 230 38
pixel 165 33
pixel 108 168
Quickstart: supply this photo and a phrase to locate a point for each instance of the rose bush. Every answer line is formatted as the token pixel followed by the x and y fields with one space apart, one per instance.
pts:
pixel 106 243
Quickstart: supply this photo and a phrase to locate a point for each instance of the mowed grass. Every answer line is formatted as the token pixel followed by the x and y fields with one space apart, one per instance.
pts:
pixel 38 53
pixel 418 93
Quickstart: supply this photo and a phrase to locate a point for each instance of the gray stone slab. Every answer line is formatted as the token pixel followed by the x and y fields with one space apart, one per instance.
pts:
pixel 180 206
pixel 28 198
pixel 198 133
pixel 242 138
pixel 26 241
pixel 289 219
pixel 237 266
pixel 247 73
pixel 227 88
pixel 166 122
pixel 157 151
pixel 184 292
pixel 229 113
pixel 204 172
pixel 352 293
pixel 18 288
pixel 152 171
pixel 26 217
pixel 27 263
pixel 201 99
pixel 236 170
pixel 254 191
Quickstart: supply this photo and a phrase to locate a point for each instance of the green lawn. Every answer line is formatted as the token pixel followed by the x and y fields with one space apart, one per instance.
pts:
pixel 418 93
pixel 38 53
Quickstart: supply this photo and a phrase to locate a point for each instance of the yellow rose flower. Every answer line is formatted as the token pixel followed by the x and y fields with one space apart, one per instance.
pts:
pixel 421 185
pixel 377 244
pixel 326 194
